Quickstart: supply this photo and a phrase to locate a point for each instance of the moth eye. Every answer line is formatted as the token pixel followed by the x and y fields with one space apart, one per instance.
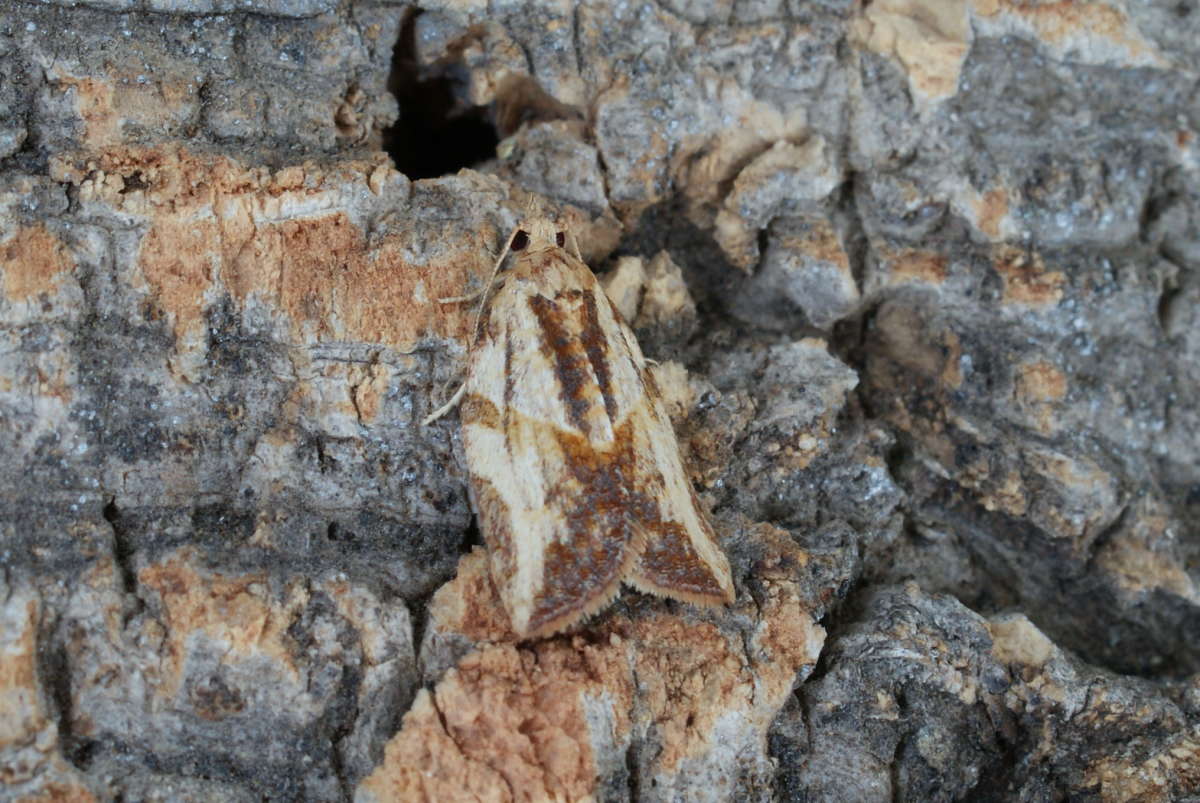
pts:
pixel 561 239
pixel 520 240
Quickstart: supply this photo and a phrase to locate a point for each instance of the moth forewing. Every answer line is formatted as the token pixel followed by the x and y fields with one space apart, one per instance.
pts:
pixel 575 471
pixel 681 559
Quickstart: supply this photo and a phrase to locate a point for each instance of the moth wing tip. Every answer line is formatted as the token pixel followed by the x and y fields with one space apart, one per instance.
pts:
pixel 565 620
pixel 709 599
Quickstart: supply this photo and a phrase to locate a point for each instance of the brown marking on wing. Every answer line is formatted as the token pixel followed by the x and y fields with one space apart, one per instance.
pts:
pixel 476 409
pixel 571 366
pixel 491 326
pixel 581 577
pixel 509 377
pixel 670 565
pixel 605 500
pixel 494 523
pixel 582 572
pixel 596 344
pixel 650 384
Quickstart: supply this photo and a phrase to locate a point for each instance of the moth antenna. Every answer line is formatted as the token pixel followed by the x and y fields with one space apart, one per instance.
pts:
pixel 491 280
pixel 458 394
pixel 447 407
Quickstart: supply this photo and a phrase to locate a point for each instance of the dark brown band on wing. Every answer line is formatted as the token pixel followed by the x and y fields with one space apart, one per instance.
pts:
pixel 669 564
pixel 580 577
pixel 476 409
pixel 571 367
pixel 509 377
pixel 588 550
pixel 599 541
pixel 496 525
pixel 596 344
pixel 487 328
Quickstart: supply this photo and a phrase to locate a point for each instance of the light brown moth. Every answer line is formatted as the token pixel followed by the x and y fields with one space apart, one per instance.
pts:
pixel 575 472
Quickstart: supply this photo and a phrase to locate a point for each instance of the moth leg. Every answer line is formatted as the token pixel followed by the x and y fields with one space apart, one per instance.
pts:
pixel 575 244
pixel 447 407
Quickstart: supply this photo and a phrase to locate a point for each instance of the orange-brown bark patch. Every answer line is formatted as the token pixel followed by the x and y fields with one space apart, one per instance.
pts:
pixel 94 103
pixel 1041 381
pixel 34 262
pixel 21 712
pixel 368 392
pixel 469 605
pixel 521 712
pixel 60 793
pixel 1026 280
pixel 178 261
pixel 991 210
pixel 505 725
pixel 915 265
pixel 1038 386
pixel 1058 22
pixel 216 226
pixel 822 243
pixel 951 374
pixel 1170 773
pixel 235 612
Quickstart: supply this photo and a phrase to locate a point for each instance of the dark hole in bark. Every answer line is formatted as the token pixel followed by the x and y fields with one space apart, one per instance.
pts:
pixel 438 131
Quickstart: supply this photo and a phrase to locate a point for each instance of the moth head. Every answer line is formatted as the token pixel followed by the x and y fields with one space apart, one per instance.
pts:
pixel 539 234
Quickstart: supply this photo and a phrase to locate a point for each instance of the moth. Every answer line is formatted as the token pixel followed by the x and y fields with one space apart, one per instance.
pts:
pixel 574 470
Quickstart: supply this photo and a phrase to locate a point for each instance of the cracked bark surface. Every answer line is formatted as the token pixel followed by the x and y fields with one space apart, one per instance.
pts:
pixel 921 278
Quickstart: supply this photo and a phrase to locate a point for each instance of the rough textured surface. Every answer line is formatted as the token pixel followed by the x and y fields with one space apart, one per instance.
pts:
pixel 922 280
pixel 654 702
